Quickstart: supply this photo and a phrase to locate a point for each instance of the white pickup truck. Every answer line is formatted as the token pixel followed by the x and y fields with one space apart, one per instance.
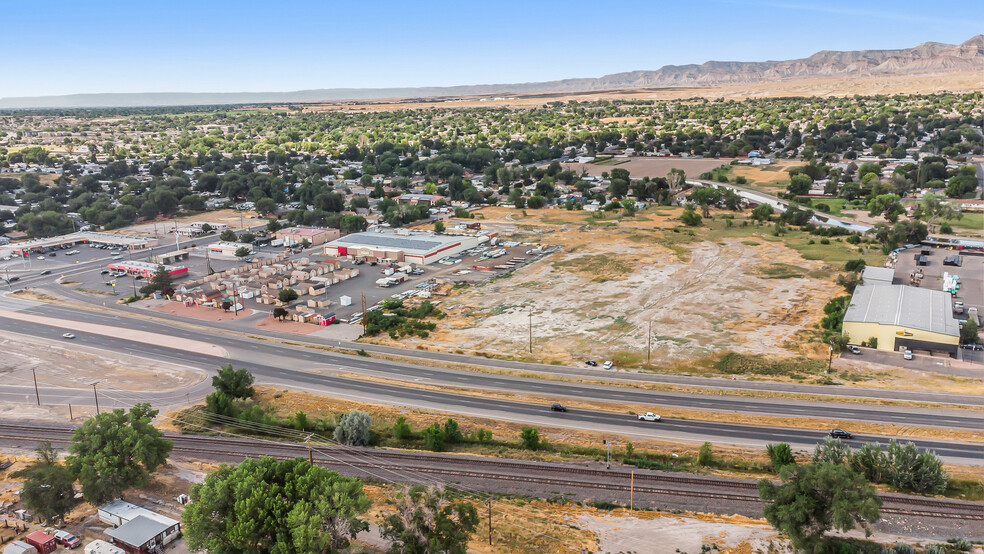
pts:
pixel 649 416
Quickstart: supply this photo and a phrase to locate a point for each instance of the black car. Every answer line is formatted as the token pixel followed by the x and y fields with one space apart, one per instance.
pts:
pixel 592 363
pixel 53 254
pixel 13 279
pixel 840 434
pixel 104 272
pixel 558 407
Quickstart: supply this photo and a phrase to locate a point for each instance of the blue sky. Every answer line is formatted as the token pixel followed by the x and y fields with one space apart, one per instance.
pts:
pixel 70 46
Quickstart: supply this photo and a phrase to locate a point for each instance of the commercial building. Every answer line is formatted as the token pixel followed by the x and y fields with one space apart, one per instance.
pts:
pixel 228 248
pixel 902 317
pixel 147 269
pixel 401 246
pixel 315 236
pixel 88 237
pixel 412 198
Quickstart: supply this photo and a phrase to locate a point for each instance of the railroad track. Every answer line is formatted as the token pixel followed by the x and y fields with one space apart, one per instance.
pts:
pixel 552 474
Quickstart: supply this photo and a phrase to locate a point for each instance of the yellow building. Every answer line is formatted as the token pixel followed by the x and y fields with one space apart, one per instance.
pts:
pixel 902 317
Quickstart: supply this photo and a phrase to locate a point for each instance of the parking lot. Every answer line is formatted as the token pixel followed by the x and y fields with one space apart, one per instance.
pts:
pixel 55 260
pixel 971 274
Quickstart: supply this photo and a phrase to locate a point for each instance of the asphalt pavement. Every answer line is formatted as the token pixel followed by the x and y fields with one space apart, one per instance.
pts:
pixel 283 372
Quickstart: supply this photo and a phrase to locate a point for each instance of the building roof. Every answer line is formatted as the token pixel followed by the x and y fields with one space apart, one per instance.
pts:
pixel 127 511
pixel 412 243
pixel 903 306
pixel 301 231
pixel 100 546
pixel 878 275
pixel 18 547
pixel 138 531
pixel 40 537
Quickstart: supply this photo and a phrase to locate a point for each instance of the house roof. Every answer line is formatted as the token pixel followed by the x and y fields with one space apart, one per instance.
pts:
pixel 903 306
pixel 18 547
pixel 138 531
pixel 872 275
pixel 39 537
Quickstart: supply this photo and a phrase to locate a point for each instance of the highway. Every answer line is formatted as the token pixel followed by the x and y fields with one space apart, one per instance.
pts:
pixel 293 367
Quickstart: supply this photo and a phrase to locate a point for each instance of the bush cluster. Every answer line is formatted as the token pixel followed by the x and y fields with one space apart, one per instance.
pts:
pixel 399 321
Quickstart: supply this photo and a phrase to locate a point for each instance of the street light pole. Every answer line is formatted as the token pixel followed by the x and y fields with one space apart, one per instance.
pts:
pixel 649 344
pixel 830 358
pixel 531 331
pixel 96 395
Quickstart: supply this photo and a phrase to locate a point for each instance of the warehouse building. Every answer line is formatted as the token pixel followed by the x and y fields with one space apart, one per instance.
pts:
pixel 147 269
pixel 88 237
pixel 229 248
pixel 314 235
pixel 902 317
pixel 401 246
pixel 878 275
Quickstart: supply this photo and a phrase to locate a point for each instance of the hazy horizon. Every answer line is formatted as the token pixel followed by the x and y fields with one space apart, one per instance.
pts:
pixel 243 47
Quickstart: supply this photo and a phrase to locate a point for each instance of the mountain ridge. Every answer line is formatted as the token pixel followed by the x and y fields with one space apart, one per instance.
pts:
pixel 925 58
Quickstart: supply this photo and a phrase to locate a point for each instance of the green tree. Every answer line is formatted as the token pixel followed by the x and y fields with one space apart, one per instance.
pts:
pixel 530 437
pixel 763 212
pixel 243 251
pixel 780 455
pixel 316 510
pixel 690 217
pixel 426 521
pixel 401 429
pixel 116 450
pixel 434 437
pixel 234 383
pixel 353 428
pixel 705 456
pixel 228 235
pixel 831 451
pixel 452 434
pixel 287 295
pixel 886 205
pixel 266 205
pixel 799 184
pixel 48 485
pixel 969 332
pixel 439 227
pixel 161 281
pixel 815 498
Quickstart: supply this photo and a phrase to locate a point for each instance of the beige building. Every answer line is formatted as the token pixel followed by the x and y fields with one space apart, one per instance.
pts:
pixel 902 317
pixel 314 235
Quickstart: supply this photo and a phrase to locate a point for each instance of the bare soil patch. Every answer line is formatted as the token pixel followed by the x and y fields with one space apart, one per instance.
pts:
pixel 203 313
pixel 272 324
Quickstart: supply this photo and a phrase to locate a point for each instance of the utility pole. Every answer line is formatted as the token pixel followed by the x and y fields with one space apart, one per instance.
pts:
pixel 36 393
pixel 830 358
pixel 608 455
pixel 310 455
pixel 490 520
pixel 364 314
pixel 133 281
pixel 96 395
pixel 649 344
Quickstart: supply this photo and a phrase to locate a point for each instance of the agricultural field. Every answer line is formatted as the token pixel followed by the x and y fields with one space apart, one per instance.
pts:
pixel 705 290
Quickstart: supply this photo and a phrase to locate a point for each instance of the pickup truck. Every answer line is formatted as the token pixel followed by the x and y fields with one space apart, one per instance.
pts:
pixel 649 416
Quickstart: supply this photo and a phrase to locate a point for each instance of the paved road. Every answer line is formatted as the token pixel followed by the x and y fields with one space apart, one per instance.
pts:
pixel 280 365
pixel 160 323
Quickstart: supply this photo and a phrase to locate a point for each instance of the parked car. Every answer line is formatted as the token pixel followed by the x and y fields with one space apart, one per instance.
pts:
pixel 840 434
pixel 558 407
pixel 907 354
pixel 53 254
pixel 67 539
pixel 104 272
pixel 972 346
pixel 854 349
pixel 592 363
pixel 68 336
pixel 40 257
pixel 649 416
pixel 609 365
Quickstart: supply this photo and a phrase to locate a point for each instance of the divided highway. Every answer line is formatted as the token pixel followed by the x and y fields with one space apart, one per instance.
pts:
pixel 291 367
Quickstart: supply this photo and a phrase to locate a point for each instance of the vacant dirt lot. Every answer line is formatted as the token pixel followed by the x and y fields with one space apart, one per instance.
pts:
pixel 69 364
pixel 597 297
pixel 652 167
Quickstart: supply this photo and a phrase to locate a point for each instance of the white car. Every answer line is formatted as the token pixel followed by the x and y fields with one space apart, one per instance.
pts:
pixel 68 336
pixel 40 257
pixel 907 354
pixel 609 365
pixel 649 416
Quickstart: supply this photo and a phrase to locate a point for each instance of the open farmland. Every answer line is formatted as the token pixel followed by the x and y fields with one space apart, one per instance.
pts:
pixel 706 290
pixel 650 167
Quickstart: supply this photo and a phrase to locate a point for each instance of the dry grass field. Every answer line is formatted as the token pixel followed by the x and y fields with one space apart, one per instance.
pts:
pixel 705 290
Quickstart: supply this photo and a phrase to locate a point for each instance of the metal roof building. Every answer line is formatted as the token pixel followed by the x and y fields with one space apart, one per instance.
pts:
pixel 419 247
pixel 900 316
pixel 878 275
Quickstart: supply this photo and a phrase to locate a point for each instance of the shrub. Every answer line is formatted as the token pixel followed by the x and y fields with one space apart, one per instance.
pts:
pixel 401 429
pixel 873 342
pixel 220 403
pixel 824 241
pixel 483 435
pixel 915 471
pixel 946 229
pixel 705 456
pixel 434 438
pixel 353 428
pixel 300 420
pixel 690 218
pixel 831 451
pixel 855 265
pixel 287 295
pixel 629 450
pixel 530 437
pixel 901 548
pixel 871 461
pixel 452 434
pixel 780 454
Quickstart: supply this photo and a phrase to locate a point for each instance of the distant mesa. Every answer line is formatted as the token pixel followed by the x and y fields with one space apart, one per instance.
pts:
pixel 927 58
